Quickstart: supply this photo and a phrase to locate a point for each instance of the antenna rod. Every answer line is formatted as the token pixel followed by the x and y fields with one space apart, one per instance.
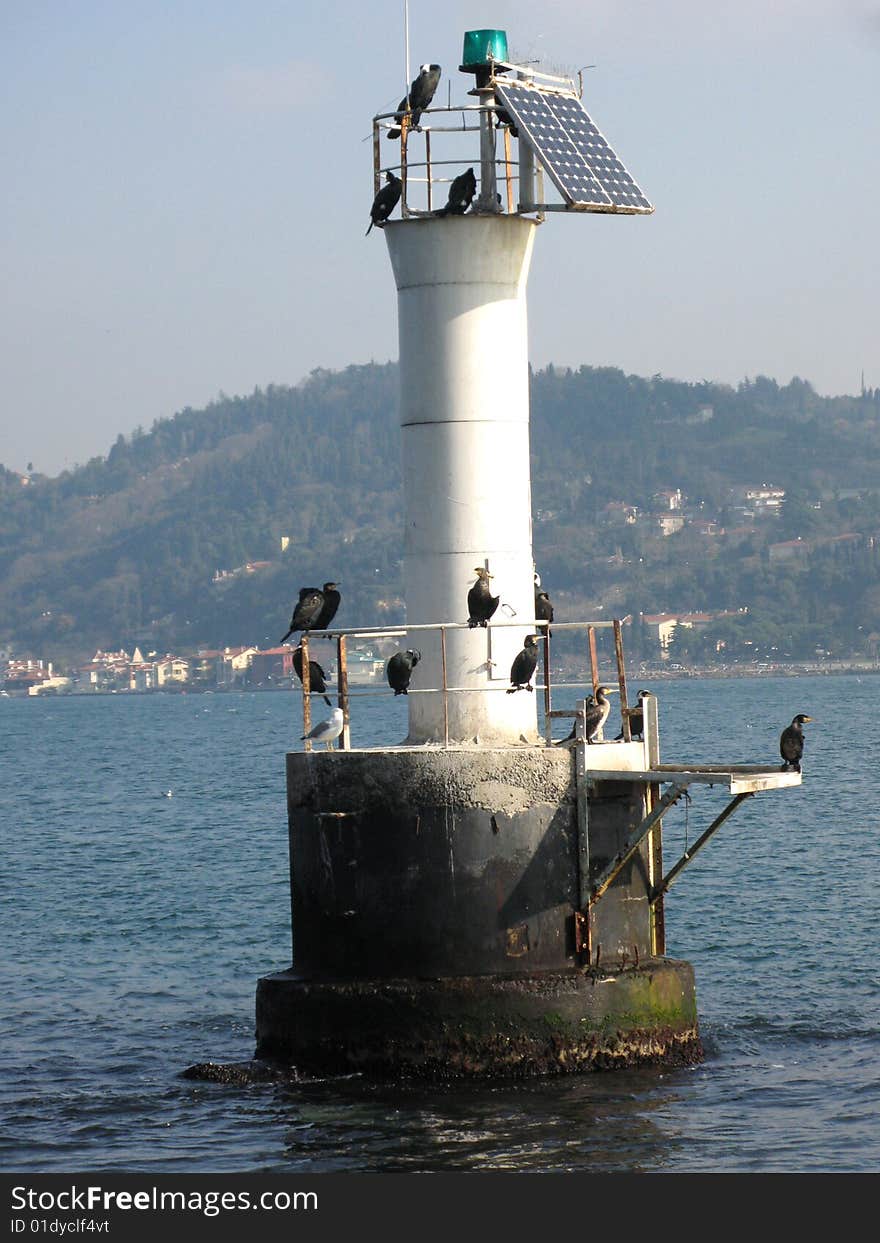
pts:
pixel 406 46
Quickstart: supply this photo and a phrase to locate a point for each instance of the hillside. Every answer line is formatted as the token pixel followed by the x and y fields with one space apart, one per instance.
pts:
pixel 151 543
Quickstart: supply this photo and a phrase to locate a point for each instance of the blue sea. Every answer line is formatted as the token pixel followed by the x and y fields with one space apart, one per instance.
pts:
pixel 145 889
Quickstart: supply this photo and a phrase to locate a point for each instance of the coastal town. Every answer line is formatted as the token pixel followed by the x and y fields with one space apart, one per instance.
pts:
pixel 121 672
pixel 662 643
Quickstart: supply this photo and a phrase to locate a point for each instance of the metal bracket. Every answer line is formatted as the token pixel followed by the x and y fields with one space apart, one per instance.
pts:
pixel 616 866
pixel 658 891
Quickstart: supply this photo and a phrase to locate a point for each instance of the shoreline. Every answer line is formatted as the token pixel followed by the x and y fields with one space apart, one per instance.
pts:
pixel 646 673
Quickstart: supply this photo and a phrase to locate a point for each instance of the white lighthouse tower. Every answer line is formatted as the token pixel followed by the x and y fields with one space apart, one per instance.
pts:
pixel 465 439
pixel 464 380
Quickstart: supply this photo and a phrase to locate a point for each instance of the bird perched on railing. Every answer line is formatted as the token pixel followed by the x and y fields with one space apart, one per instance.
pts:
pixel 481 603
pixel 317 676
pixel 385 201
pixel 543 609
pixel 524 666
pixel 307 611
pixel 636 719
pixel 326 731
pixel 791 743
pixel 332 598
pixel 597 712
pixel 399 669
pixel 461 193
pixel 421 92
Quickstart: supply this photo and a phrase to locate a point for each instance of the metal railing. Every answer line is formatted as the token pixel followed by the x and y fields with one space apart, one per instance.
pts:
pixel 345 695
pixel 506 168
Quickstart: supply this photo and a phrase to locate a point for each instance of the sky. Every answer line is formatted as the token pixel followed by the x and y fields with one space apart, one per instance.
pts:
pixel 187 186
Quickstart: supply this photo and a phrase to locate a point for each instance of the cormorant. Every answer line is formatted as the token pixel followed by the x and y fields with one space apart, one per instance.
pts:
pixel 330 592
pixel 636 719
pixel 524 666
pixel 317 676
pixel 399 670
pixel 461 192
pixel 326 731
pixel 597 713
pixel 307 611
pixel 504 118
pixel 791 743
pixel 421 92
pixel 481 603
pixel 385 201
pixel 543 609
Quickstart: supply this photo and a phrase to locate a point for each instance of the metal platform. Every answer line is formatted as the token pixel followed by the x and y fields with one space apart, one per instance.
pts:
pixel 735 778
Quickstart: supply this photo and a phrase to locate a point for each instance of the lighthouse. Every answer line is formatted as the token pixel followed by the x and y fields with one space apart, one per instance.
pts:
pixel 461 284
pixel 476 900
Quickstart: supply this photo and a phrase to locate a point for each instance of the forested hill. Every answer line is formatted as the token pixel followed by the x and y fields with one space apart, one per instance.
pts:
pixel 128 548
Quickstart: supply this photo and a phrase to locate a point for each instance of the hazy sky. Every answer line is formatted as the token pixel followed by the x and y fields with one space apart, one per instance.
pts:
pixel 186 189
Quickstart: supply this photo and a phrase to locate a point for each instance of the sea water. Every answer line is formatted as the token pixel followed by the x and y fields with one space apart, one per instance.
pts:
pixel 145 888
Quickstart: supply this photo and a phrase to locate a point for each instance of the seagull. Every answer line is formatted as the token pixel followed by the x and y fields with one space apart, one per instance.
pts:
pixel 332 598
pixel 481 603
pixel 461 192
pixel 385 201
pixel 791 743
pixel 317 676
pixel 399 670
pixel 421 92
pixel 307 611
pixel 326 731
pixel 524 666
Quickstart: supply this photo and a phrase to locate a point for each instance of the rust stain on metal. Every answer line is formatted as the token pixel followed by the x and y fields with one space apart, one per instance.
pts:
pixel 582 937
pixel 594 660
pixel 306 688
pixel 507 175
pixel 517 941
pixel 621 681
pixel 342 689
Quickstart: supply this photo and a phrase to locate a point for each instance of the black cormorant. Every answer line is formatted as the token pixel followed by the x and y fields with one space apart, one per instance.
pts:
pixel 421 92
pixel 543 608
pixel 524 666
pixel 504 118
pixel 317 676
pixel 791 743
pixel 385 201
pixel 636 719
pixel 597 713
pixel 330 592
pixel 307 611
pixel 461 192
pixel 399 670
pixel 481 603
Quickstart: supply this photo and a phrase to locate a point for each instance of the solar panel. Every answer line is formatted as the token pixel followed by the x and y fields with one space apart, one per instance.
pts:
pixel 585 170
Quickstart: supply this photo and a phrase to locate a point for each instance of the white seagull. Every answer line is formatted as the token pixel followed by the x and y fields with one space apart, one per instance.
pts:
pixel 326 731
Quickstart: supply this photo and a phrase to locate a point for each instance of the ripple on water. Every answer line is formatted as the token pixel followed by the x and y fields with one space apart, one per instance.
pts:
pixel 134 928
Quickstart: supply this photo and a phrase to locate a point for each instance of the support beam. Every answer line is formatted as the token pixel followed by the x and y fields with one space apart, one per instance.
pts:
pixel 583 813
pixel 658 890
pixel 616 866
pixel 621 682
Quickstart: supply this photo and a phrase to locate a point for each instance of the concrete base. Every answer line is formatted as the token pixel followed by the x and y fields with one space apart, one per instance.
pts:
pixel 482 1026
pixel 434 900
